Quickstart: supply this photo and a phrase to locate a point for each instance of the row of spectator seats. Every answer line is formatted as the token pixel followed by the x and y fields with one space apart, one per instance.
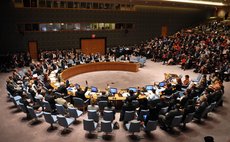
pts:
pixel 72 113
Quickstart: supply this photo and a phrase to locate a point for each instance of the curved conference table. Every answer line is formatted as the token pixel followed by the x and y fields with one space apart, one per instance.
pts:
pixel 99 66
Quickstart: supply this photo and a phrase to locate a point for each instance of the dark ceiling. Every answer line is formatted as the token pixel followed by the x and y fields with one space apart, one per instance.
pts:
pixel 161 2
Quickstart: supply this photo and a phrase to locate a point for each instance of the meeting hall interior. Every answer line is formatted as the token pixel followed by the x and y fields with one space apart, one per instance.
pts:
pixel 115 70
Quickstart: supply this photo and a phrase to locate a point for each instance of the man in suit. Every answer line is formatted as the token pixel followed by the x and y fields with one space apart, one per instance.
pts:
pixel 48 85
pixel 103 97
pixel 153 114
pixel 51 99
pixel 168 91
pixel 165 120
pixel 185 98
pixel 62 88
pixel 128 106
pixel 189 108
pixel 132 95
pixel 32 92
pixel 81 93
pixel 25 103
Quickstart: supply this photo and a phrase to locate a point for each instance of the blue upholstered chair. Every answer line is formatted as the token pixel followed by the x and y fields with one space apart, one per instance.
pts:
pixel 80 103
pixel 60 109
pixel 24 109
pixel 150 126
pixel 89 125
pixel 16 100
pixel 133 126
pixel 64 122
pixel 47 106
pixel 142 113
pixel 188 118
pixel 175 122
pixel 129 115
pixel 51 119
pixel 93 114
pixel 106 126
pixel 108 115
pixel 74 112
pixel 34 114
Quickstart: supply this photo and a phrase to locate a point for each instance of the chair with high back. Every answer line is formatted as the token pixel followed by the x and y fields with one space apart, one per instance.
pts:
pixel 58 94
pixel 102 105
pixel 206 111
pixel 24 109
pixel 31 97
pixel 150 126
pixel 108 115
pixel 219 102
pixel 80 103
pixel 135 60
pixel 175 122
pixel 16 100
pixel 64 122
pixel 34 114
pixel 188 118
pixel 74 112
pixel 129 115
pixel 89 125
pixel 133 126
pixel 93 114
pixel 106 126
pixel 142 114
pixel 51 119
pixel 198 78
pixel 9 95
pixel 135 103
pixel 47 106
pixel 204 114
pixel 142 61
pixel 60 109
pixel 164 110
pixel 213 105
pixel 40 103
pixel 138 58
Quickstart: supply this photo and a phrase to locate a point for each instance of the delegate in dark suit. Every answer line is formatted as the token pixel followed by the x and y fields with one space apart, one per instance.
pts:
pixel 50 98
pixel 81 93
pixel 62 89
pixel 128 106
pixel 165 120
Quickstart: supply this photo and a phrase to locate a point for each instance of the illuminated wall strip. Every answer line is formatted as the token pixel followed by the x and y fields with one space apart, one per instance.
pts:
pixel 198 2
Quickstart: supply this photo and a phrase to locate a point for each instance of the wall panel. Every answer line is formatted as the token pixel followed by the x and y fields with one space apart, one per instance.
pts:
pixel 148 22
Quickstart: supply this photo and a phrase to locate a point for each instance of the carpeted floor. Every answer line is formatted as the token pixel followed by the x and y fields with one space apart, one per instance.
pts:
pixel 14 126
